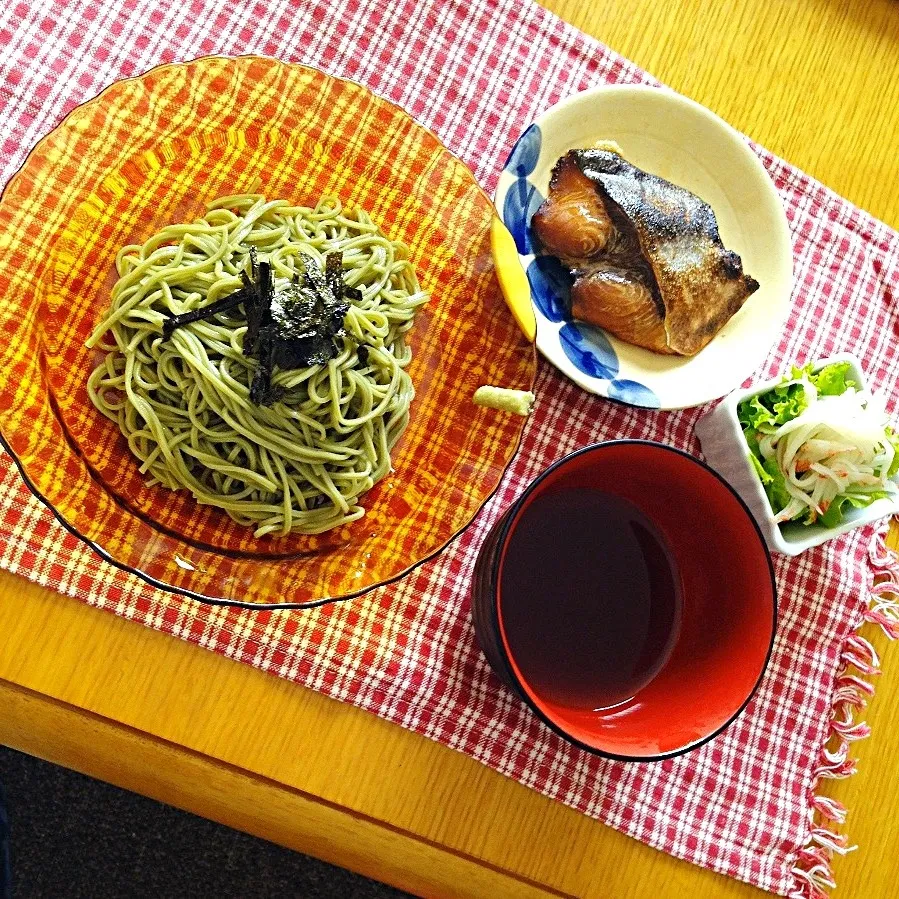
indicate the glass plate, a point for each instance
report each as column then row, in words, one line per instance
column 154, row 150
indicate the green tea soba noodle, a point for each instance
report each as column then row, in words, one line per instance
column 301, row 461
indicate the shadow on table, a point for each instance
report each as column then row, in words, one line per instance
column 72, row 836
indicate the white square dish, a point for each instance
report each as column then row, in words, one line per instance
column 725, row 449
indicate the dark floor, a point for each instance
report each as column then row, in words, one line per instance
column 72, row 837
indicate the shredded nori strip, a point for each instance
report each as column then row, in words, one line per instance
column 334, row 274
column 260, row 287
column 293, row 328
column 225, row 304
column 307, row 315
column 262, row 391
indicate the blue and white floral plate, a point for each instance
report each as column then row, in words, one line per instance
column 671, row 136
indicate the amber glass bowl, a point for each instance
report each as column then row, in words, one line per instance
column 154, row 150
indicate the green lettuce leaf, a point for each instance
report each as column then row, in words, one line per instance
column 787, row 402
column 775, row 486
column 837, row 509
column 768, row 411
column 894, row 439
column 753, row 414
column 764, row 477
column 832, row 380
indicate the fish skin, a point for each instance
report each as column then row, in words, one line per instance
column 663, row 238
column 701, row 283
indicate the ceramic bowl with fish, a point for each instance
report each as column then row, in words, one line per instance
column 687, row 285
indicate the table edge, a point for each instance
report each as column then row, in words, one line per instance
column 60, row 733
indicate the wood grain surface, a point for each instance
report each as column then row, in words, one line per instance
column 816, row 81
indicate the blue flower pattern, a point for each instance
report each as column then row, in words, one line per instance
column 585, row 346
column 589, row 349
column 633, row 394
column 550, row 287
column 525, row 154
column 523, row 199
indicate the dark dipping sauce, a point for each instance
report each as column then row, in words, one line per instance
column 589, row 598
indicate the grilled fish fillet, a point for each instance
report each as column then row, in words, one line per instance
column 621, row 304
column 648, row 262
column 572, row 223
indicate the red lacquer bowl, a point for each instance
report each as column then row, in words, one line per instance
column 728, row 601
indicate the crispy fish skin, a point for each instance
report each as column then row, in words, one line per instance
column 700, row 282
column 664, row 242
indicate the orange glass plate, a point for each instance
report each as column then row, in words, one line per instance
column 154, row 150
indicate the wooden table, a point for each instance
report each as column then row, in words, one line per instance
column 817, row 82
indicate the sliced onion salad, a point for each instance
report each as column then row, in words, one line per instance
column 820, row 444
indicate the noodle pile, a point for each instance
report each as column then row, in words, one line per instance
column 301, row 464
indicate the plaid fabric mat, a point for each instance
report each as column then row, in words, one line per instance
column 477, row 74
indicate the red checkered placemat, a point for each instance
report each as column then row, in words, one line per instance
column 476, row 74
